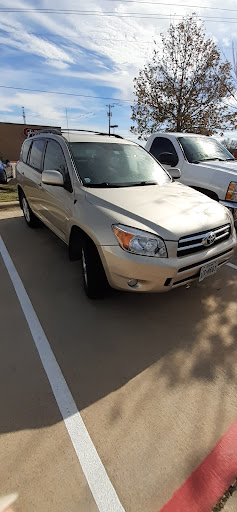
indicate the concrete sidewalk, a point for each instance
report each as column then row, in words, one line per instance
column 4, row 205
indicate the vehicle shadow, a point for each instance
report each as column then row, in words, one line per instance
column 127, row 354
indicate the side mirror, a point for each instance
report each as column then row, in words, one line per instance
column 52, row 178
column 168, row 159
column 175, row 173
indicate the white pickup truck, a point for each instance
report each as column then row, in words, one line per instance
column 205, row 164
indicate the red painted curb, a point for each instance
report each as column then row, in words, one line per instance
column 210, row 480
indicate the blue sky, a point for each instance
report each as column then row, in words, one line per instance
column 89, row 55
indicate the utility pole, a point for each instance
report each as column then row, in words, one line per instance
column 23, row 115
column 109, row 114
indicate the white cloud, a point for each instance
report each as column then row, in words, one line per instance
column 226, row 41
column 59, row 64
column 26, row 42
column 123, row 46
column 94, row 50
column 48, row 109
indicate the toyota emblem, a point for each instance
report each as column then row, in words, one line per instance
column 209, row 239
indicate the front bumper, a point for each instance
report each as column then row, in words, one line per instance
column 160, row 274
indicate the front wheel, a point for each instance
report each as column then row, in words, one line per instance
column 29, row 216
column 94, row 277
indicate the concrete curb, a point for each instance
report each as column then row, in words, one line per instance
column 4, row 205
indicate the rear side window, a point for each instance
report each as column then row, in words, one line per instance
column 25, row 150
column 36, row 154
column 54, row 158
column 162, row 145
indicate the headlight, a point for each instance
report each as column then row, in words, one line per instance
column 139, row 242
column 231, row 194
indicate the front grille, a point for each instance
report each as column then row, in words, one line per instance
column 198, row 241
column 195, row 275
column 207, row 260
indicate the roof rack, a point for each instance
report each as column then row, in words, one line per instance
column 90, row 131
column 45, row 130
column 65, row 130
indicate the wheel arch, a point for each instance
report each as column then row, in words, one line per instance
column 77, row 234
column 20, row 194
column 208, row 193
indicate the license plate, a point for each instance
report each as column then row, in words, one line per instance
column 208, row 270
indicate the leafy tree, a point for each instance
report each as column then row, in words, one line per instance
column 186, row 87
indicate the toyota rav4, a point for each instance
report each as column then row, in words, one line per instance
column 132, row 225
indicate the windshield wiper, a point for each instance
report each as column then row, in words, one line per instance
column 144, row 183
column 212, row 159
column 105, row 184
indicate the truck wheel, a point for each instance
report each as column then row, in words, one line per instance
column 29, row 216
column 94, row 277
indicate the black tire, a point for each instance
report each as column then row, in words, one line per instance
column 29, row 216
column 94, row 278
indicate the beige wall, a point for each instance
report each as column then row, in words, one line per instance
column 11, row 137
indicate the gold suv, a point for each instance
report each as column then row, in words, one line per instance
column 132, row 224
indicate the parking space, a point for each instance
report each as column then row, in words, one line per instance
column 153, row 376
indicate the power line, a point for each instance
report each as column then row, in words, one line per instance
column 102, row 13
column 150, row 16
column 135, row 15
column 64, row 93
column 68, row 94
column 175, row 5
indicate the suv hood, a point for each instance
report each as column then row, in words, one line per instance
column 171, row 211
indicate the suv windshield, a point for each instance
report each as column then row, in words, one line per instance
column 200, row 149
column 104, row 164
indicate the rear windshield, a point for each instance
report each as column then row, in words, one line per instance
column 109, row 164
column 200, row 149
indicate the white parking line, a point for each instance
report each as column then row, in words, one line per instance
column 232, row 265
column 102, row 489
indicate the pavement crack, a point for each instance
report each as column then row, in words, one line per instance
column 224, row 498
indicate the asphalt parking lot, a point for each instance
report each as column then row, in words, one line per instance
column 153, row 377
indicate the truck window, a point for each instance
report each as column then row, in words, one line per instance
column 163, row 145
column 201, row 149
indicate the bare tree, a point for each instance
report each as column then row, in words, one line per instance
column 186, row 87
column 230, row 144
